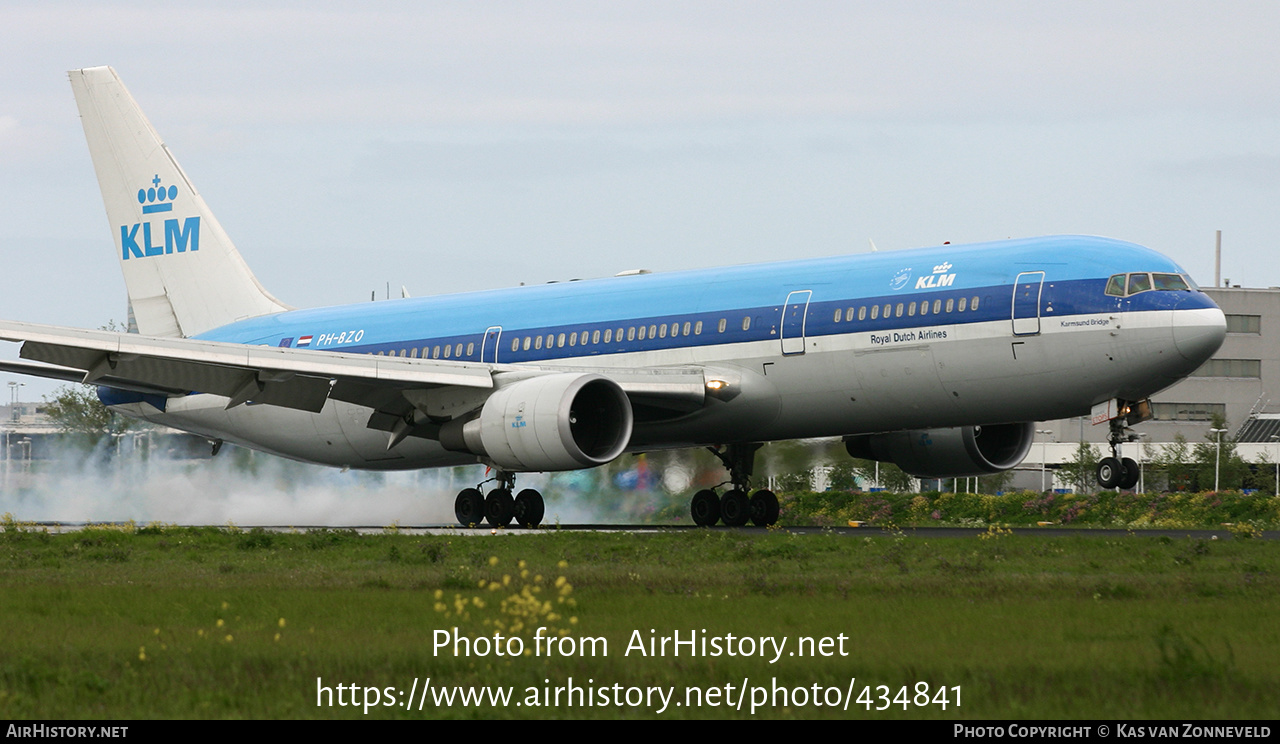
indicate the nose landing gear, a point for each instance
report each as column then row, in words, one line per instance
column 1116, row 471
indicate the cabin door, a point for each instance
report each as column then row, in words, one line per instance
column 489, row 345
column 793, row 317
column 1026, row 303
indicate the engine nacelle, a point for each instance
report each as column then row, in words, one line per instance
column 948, row 453
column 551, row 422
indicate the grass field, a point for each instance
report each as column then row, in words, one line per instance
column 219, row 623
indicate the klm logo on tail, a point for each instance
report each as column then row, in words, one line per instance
column 177, row 237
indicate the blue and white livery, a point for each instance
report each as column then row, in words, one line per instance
column 938, row 359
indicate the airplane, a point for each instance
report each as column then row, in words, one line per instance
column 937, row 359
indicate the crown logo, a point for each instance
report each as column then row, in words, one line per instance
column 941, row 268
column 157, row 198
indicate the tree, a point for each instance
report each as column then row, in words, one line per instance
column 77, row 411
column 1218, row 454
column 1082, row 469
column 1176, row 458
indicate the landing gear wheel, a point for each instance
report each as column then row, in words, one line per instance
column 1131, row 473
column 764, row 508
column 498, row 507
column 529, row 508
column 735, row 508
column 705, row 508
column 468, row 508
column 1110, row 472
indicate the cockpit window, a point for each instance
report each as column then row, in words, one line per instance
column 1144, row 282
column 1168, row 281
column 1139, row 283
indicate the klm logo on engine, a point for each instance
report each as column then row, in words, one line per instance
column 142, row 239
column 939, row 278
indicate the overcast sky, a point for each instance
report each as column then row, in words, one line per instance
column 457, row 146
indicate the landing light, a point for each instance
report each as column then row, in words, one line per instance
column 714, row 385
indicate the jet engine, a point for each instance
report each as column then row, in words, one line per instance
column 551, row 422
column 947, row 453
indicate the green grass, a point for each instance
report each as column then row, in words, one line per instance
column 107, row 623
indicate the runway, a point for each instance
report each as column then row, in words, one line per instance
column 923, row 533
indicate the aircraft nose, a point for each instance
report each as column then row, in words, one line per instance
column 1198, row 333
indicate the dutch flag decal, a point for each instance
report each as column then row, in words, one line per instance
column 304, row 341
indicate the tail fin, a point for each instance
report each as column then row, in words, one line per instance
column 183, row 274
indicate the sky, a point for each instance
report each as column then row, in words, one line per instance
column 451, row 146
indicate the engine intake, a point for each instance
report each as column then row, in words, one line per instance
column 552, row 422
column 948, row 453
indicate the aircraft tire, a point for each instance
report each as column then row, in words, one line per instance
column 1131, row 473
column 1110, row 472
column 499, row 508
column 468, row 508
column 764, row 508
column 705, row 508
column 735, row 508
column 529, row 508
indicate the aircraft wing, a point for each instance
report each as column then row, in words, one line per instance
column 304, row 379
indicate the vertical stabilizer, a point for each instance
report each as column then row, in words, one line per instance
column 183, row 274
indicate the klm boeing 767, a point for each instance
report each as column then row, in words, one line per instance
column 937, row 359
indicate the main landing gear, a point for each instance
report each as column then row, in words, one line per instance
column 499, row 508
column 735, row 508
column 1116, row 471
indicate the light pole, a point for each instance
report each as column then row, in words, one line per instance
column 1217, row 460
column 1142, row 488
column 1044, row 446
column 1275, row 439
column 13, row 399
